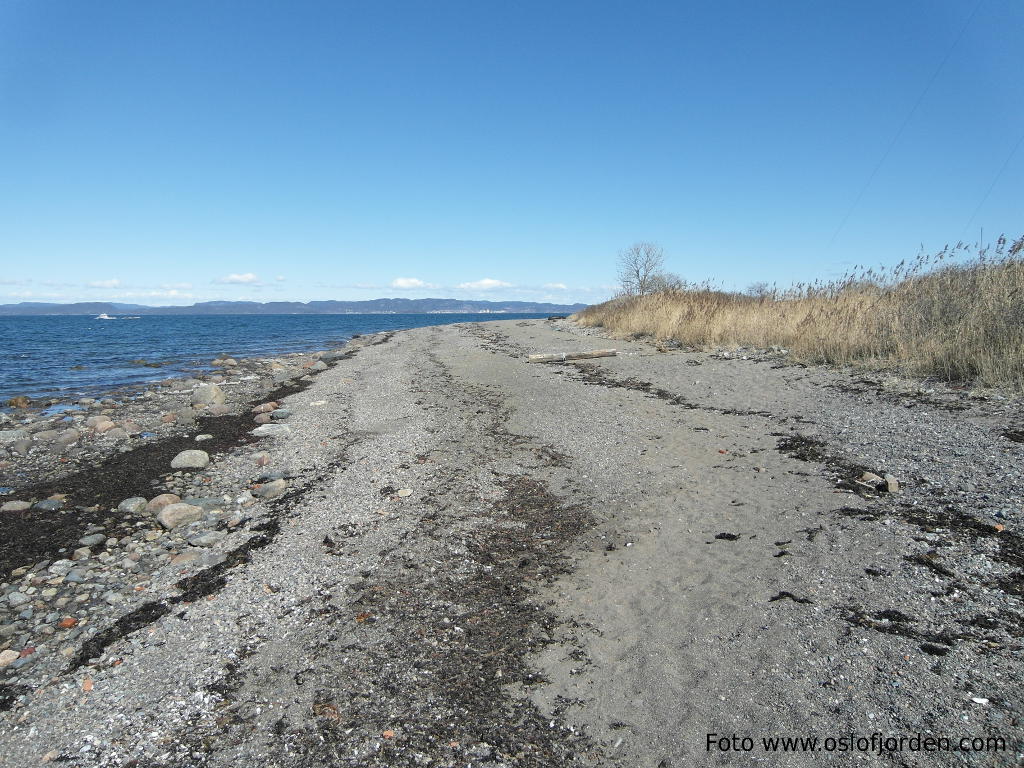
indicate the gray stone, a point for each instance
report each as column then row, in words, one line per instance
column 270, row 430
column 286, row 375
column 22, row 447
column 207, row 539
column 219, row 410
column 18, row 598
column 191, row 459
column 208, row 394
column 8, row 436
column 132, row 506
column 203, row 438
column 206, row 503
column 117, row 433
column 15, row 506
column 48, row 505
column 93, row 540
column 77, row 575
column 318, row 366
column 68, row 437
column 174, row 515
column 281, row 414
column 892, row 485
column 82, row 553
column 332, row 355
column 60, row 567
column 271, row 490
column 46, row 435
column 185, row 415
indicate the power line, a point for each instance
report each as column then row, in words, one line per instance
column 903, row 126
column 992, row 186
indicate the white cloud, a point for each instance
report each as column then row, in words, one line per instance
column 112, row 283
column 556, row 286
column 176, row 286
column 280, row 278
column 410, row 283
column 246, row 278
column 487, row 284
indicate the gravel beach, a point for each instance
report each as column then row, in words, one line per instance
column 422, row 550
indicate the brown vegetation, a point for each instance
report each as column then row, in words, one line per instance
column 957, row 315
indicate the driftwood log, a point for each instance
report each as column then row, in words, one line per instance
column 561, row 357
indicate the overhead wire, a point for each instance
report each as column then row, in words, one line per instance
column 903, row 125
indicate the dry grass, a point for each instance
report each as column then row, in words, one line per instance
column 957, row 315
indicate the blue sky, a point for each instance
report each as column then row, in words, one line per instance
column 170, row 152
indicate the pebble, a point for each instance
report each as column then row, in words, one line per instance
column 92, row 540
column 82, row 553
column 281, row 414
column 201, row 438
column 18, row 598
column 15, row 506
column 404, row 492
column 191, row 459
column 48, row 505
column 8, row 657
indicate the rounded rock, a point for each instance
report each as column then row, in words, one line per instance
column 271, row 490
column 191, row 459
column 159, row 502
column 174, row 515
column 132, row 506
column 208, row 394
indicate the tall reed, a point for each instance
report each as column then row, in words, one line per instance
column 957, row 315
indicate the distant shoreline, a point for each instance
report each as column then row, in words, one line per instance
column 384, row 306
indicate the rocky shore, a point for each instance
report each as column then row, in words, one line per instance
column 422, row 550
column 75, row 552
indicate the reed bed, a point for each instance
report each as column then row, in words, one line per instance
column 957, row 315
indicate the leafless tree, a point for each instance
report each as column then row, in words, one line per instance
column 760, row 290
column 638, row 266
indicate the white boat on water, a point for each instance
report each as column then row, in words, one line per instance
column 105, row 316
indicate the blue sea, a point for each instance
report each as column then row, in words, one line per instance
column 76, row 356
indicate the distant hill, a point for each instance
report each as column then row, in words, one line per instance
column 370, row 307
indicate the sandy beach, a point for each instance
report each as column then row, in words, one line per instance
column 432, row 552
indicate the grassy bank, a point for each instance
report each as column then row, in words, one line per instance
column 957, row 315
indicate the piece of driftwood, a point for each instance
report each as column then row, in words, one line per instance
column 561, row 357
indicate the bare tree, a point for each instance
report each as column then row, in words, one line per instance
column 638, row 266
column 760, row 290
